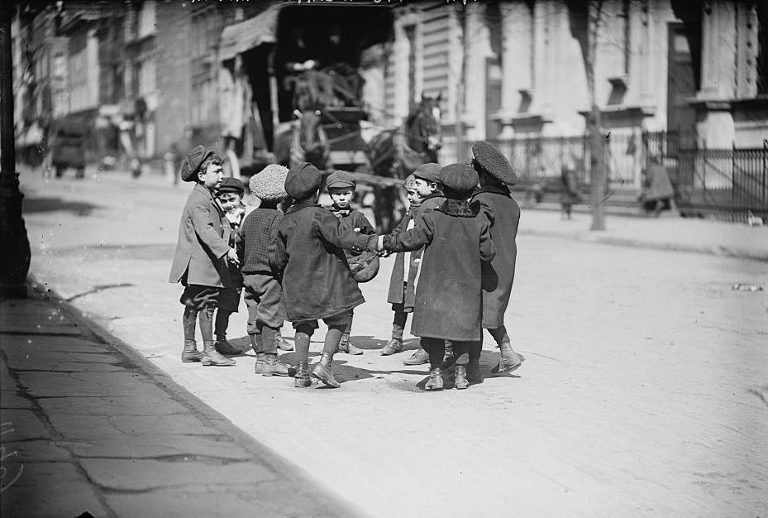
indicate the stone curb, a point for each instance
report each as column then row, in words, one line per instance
column 264, row 455
column 722, row 251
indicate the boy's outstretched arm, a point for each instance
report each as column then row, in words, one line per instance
column 414, row 239
column 328, row 228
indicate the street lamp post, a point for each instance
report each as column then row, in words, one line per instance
column 14, row 245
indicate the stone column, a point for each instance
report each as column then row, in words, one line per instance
column 478, row 49
column 714, row 121
column 516, row 62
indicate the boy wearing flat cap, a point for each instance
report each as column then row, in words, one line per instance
column 317, row 282
column 448, row 295
column 429, row 187
column 263, row 292
column 341, row 188
column 202, row 254
column 230, row 198
column 503, row 214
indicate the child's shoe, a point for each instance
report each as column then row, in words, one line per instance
column 510, row 360
column 420, row 357
column 461, row 377
column 346, row 346
column 190, row 353
column 212, row 357
column 395, row 345
column 301, row 378
column 274, row 367
column 323, row 371
column 261, row 359
column 282, row 344
column 435, row 381
column 224, row 347
column 473, row 372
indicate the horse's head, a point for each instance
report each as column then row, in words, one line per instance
column 423, row 125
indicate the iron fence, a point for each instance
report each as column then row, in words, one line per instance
column 727, row 183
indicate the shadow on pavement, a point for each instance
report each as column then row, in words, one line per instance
column 35, row 205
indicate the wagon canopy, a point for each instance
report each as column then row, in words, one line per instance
column 249, row 34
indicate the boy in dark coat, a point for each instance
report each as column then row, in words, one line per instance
column 317, row 282
column 428, row 184
column 402, row 283
column 449, row 293
column 341, row 187
column 202, row 253
column 503, row 214
column 230, row 198
column 263, row 292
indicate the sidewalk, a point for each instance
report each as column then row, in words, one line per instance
column 88, row 428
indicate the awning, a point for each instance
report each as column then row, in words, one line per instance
column 243, row 36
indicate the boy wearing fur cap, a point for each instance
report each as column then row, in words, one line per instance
column 503, row 214
column 341, row 188
column 230, row 198
column 430, row 189
column 202, row 254
column 449, row 295
column 402, row 283
column 263, row 292
column 317, row 282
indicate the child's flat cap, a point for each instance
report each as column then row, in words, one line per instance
column 490, row 159
column 269, row 183
column 429, row 172
column 230, row 184
column 302, row 181
column 341, row 179
column 193, row 161
column 459, row 178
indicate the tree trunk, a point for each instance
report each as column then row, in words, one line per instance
column 597, row 173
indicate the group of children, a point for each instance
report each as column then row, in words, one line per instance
column 297, row 261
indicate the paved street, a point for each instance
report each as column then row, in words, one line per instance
column 645, row 391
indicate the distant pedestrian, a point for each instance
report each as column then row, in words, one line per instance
column 202, row 255
column 570, row 194
column 502, row 212
column 658, row 191
column 230, row 198
column 341, row 188
column 263, row 292
column 317, row 282
column 402, row 283
column 430, row 188
column 449, row 295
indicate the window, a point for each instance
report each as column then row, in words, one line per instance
column 147, row 18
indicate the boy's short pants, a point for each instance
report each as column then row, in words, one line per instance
column 342, row 319
column 199, row 297
column 229, row 299
column 263, row 300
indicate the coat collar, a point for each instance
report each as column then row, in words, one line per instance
column 433, row 195
column 457, row 208
column 494, row 189
column 302, row 204
column 205, row 191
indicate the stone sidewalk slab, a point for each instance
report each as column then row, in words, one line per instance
column 89, row 428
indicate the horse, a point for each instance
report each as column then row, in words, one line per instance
column 396, row 153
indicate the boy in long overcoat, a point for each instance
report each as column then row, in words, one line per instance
column 202, row 253
column 449, row 294
column 341, row 188
column 503, row 213
column 402, row 282
column 430, row 188
column 317, row 282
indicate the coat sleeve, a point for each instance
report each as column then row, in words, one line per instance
column 487, row 248
column 414, row 239
column 203, row 225
column 240, row 243
column 275, row 253
column 328, row 228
